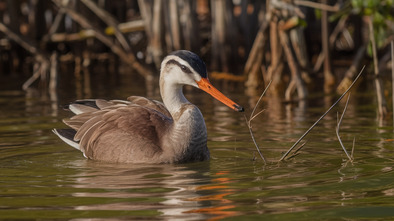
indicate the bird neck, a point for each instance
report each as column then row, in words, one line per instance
column 173, row 97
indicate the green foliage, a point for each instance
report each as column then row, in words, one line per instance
column 299, row 22
column 380, row 12
column 318, row 13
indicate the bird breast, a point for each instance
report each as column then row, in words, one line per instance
column 188, row 135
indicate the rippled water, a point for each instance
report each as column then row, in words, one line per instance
column 43, row 178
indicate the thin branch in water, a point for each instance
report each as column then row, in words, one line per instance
column 295, row 153
column 252, row 116
column 329, row 109
column 339, row 125
column 392, row 74
column 261, row 96
column 354, row 142
column 254, row 140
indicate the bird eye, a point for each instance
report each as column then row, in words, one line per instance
column 185, row 69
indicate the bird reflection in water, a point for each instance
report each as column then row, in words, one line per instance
column 186, row 192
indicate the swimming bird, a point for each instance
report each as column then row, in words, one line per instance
column 140, row 130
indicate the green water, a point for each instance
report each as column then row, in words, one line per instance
column 43, row 178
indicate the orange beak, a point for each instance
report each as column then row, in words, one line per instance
column 204, row 85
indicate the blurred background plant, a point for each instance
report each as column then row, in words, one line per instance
column 301, row 45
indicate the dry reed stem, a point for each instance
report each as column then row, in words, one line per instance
column 316, row 5
column 382, row 106
column 85, row 23
column 392, row 74
column 314, row 124
column 254, row 140
column 339, row 125
column 295, row 153
column 354, row 142
column 261, row 96
column 252, row 116
column 110, row 21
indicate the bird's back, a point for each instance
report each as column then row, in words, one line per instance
column 118, row 131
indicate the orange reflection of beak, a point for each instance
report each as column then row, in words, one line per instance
column 204, row 85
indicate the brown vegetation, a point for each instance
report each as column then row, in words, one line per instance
column 294, row 43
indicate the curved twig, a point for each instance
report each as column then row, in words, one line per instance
column 314, row 124
column 252, row 116
column 254, row 140
column 258, row 101
column 337, row 130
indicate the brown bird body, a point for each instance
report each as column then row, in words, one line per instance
column 140, row 130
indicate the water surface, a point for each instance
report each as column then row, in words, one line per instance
column 43, row 178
